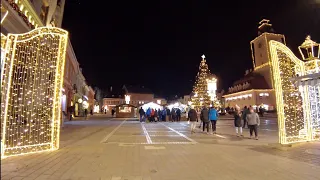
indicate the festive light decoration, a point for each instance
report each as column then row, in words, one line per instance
column 261, row 66
column 31, row 85
column 159, row 101
column 212, row 88
column 96, row 109
column 127, row 98
column 292, row 102
column 312, row 82
column 201, row 96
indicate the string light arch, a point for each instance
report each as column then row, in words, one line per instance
column 293, row 102
column 32, row 79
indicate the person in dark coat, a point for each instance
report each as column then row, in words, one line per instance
column 168, row 114
column 155, row 115
column 159, row 115
column 193, row 118
column 164, row 114
column 173, row 115
column 237, row 122
column 244, row 116
column 112, row 112
column 205, row 118
column 85, row 113
column 178, row 112
column 142, row 114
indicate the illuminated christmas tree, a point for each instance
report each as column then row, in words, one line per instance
column 200, row 94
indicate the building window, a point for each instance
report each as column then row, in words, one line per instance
column 125, row 109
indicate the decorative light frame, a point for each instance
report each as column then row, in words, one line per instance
column 212, row 88
column 292, row 129
column 31, row 86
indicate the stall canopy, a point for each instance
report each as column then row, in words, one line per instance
column 177, row 105
column 151, row 105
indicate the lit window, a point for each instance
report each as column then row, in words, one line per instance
column 125, row 109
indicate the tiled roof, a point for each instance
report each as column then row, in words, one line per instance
column 255, row 81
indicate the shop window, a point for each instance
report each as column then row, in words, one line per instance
column 125, row 109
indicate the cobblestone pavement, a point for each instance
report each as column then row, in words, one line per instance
column 128, row 150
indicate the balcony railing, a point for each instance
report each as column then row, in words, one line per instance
column 25, row 9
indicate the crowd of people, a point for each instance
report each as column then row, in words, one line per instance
column 259, row 110
column 208, row 117
column 154, row 115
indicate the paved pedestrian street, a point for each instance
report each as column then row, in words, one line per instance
column 124, row 149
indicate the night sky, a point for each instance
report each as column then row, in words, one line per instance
column 159, row 44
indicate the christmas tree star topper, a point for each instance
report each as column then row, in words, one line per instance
column 203, row 56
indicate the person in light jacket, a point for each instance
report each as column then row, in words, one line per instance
column 253, row 121
column 213, row 116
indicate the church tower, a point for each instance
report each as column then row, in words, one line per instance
column 260, row 49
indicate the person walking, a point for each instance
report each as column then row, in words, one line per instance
column 142, row 113
column 173, row 114
column 112, row 112
column 178, row 112
column 148, row 113
column 168, row 114
column 199, row 117
column 85, row 113
column 156, row 115
column 159, row 115
column 164, row 115
column 193, row 118
column 244, row 116
column 152, row 115
column 213, row 116
column 253, row 122
column 237, row 122
column 205, row 118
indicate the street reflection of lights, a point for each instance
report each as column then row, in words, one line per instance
column 164, row 135
column 150, row 143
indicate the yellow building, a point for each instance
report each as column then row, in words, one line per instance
column 255, row 88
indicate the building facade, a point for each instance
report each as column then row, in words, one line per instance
column 25, row 15
column 256, row 87
column 135, row 96
column 21, row 16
